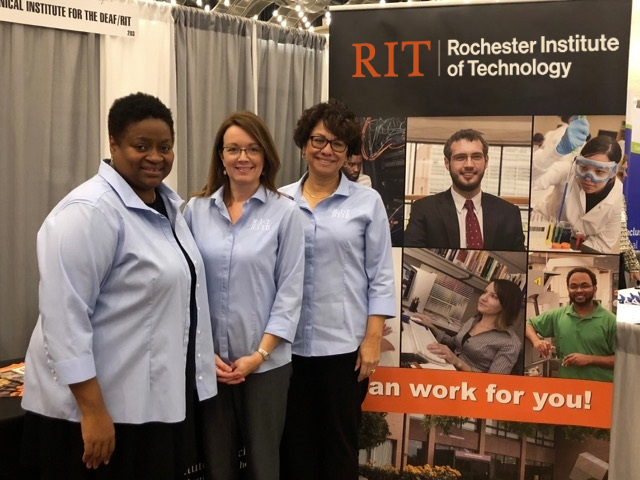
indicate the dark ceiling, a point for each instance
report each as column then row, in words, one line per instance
column 297, row 14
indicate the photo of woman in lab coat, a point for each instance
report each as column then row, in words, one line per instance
column 587, row 196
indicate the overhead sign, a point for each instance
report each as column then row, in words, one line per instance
column 507, row 59
column 103, row 17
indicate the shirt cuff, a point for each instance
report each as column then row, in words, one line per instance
column 75, row 370
column 283, row 328
column 382, row 306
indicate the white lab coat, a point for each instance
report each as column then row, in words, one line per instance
column 601, row 225
column 545, row 156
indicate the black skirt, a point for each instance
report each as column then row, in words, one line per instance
column 53, row 449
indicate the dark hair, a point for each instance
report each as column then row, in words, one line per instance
column 592, row 275
column 337, row 118
column 603, row 144
column 256, row 128
column 134, row 108
column 565, row 118
column 510, row 298
column 622, row 167
column 538, row 138
column 466, row 134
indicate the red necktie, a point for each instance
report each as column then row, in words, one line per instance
column 474, row 235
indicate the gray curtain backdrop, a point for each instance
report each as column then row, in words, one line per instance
column 289, row 80
column 213, row 78
column 227, row 63
column 50, row 123
column 49, row 133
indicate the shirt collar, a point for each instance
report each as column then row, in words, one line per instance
column 344, row 187
column 459, row 200
column 260, row 195
column 297, row 192
column 597, row 312
column 129, row 197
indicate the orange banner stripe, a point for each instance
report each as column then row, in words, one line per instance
column 497, row 397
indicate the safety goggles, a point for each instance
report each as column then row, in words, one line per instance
column 595, row 171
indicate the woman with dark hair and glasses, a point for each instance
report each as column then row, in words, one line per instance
column 348, row 293
column 252, row 244
column 486, row 342
column 122, row 350
column 587, row 195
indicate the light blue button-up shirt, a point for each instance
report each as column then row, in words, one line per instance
column 114, row 304
column 255, row 270
column 348, row 269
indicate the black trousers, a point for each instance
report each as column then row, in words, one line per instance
column 320, row 440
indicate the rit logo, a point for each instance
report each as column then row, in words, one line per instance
column 261, row 224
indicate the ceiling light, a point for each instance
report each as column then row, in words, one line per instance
column 199, row 3
column 275, row 12
column 255, row 17
column 279, row 18
column 300, row 14
column 305, row 19
column 283, row 23
column 298, row 8
column 307, row 24
column 207, row 8
column 311, row 29
column 226, row 3
column 327, row 15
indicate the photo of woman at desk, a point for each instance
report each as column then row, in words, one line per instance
column 462, row 310
column 486, row 342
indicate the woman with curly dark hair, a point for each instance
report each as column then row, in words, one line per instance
column 348, row 293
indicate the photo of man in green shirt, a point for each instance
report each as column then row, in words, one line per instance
column 583, row 332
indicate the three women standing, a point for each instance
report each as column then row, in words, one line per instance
column 348, row 293
column 124, row 331
column 251, row 239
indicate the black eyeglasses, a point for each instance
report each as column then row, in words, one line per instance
column 319, row 142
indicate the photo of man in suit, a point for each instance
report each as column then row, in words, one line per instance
column 464, row 216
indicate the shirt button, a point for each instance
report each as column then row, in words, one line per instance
column 200, row 378
column 199, row 355
column 198, row 332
